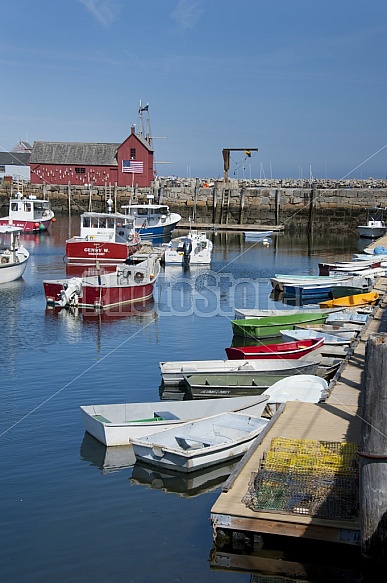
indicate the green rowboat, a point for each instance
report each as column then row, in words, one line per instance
column 270, row 326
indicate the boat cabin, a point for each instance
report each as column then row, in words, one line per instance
column 115, row 227
column 9, row 243
column 147, row 214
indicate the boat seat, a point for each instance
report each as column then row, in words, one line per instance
column 192, row 442
column 167, row 415
column 101, row 418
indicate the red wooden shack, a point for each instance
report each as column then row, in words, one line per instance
column 98, row 164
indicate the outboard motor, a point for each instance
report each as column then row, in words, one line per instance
column 187, row 248
column 70, row 293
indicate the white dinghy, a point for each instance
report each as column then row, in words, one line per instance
column 115, row 424
column 202, row 443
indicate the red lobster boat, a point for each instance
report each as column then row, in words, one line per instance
column 109, row 238
column 103, row 290
column 288, row 350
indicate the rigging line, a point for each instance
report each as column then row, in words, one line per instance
column 361, row 164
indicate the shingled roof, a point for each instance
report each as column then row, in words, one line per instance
column 14, row 159
column 74, row 153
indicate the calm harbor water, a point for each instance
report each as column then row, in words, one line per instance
column 70, row 509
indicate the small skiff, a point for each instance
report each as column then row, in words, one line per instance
column 356, row 300
column 115, row 424
column 304, row 335
column 270, row 326
column 222, row 386
column 345, row 317
column 345, row 331
column 288, row 349
column 173, row 372
column 199, row 444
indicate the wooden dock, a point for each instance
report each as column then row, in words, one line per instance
column 230, row 227
column 338, row 419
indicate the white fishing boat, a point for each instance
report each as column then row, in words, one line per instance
column 374, row 226
column 100, row 290
column 115, row 424
column 109, row 238
column 173, row 372
column 31, row 214
column 191, row 249
column 152, row 220
column 199, row 444
column 308, row 334
column 13, row 255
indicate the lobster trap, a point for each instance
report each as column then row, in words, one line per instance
column 314, row 478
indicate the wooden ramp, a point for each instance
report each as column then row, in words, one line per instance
column 337, row 420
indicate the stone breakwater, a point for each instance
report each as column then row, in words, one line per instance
column 237, row 204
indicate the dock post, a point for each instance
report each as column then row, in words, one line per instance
column 373, row 452
column 161, row 191
column 311, row 208
column 276, row 206
column 115, row 197
column 214, row 202
column 221, row 206
column 242, row 207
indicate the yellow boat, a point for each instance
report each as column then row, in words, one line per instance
column 368, row 298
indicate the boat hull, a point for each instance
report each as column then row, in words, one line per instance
column 371, row 232
column 80, row 251
column 12, row 271
column 99, row 297
column 173, row 372
column 229, row 385
column 369, row 298
column 289, row 350
column 156, row 231
column 298, row 291
column 27, row 226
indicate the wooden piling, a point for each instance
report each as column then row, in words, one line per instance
column 243, row 194
column 214, row 203
column 312, row 199
column 276, row 206
column 373, row 451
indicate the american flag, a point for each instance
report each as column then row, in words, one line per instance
column 132, row 166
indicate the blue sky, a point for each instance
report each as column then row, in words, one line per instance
column 303, row 81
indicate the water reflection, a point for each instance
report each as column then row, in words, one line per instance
column 283, row 559
column 184, row 485
column 106, row 459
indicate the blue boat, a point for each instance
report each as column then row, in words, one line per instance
column 152, row 220
column 308, row 292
